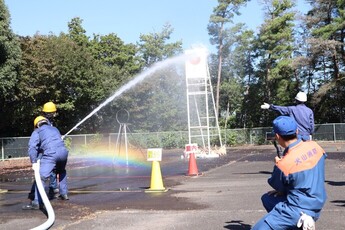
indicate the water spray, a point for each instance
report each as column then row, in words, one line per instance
column 129, row 85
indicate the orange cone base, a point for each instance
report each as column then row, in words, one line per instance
column 193, row 174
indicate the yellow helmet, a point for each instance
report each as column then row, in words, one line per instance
column 38, row 120
column 49, row 107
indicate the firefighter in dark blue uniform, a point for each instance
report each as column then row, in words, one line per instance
column 47, row 139
column 302, row 114
column 49, row 111
column 298, row 180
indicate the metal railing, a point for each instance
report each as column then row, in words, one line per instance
column 15, row 147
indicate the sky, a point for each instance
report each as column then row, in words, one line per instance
column 126, row 18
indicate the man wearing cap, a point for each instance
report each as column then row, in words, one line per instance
column 49, row 112
column 47, row 139
column 297, row 179
column 302, row 114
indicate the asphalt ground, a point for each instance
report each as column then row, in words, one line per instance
column 225, row 196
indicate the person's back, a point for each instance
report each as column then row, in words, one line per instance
column 49, row 111
column 302, row 114
column 297, row 179
column 50, row 138
column 303, row 166
column 47, row 139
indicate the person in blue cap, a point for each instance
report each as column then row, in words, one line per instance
column 47, row 139
column 302, row 114
column 298, row 180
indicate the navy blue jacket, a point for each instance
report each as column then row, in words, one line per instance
column 303, row 116
column 44, row 139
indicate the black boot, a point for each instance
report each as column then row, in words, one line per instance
column 53, row 193
column 63, row 197
column 31, row 195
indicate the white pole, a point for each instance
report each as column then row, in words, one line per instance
column 188, row 113
column 125, row 127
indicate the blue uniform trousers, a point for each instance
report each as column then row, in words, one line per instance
column 56, row 160
column 279, row 216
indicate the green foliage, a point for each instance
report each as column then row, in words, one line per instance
column 68, row 70
column 274, row 49
column 55, row 68
column 76, row 32
column 78, row 72
column 155, row 102
column 153, row 47
column 222, row 15
column 153, row 141
column 230, row 138
column 173, row 140
column 10, row 55
column 115, row 55
column 68, row 143
column 165, row 140
column 95, row 140
column 221, row 36
column 325, row 24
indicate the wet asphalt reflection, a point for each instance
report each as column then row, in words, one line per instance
column 107, row 185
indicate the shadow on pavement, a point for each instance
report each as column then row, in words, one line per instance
column 236, row 225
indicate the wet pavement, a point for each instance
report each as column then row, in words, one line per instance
column 108, row 195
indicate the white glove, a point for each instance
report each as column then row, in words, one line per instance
column 265, row 106
column 306, row 221
column 35, row 166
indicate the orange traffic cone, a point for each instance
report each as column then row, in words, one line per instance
column 193, row 168
column 156, row 179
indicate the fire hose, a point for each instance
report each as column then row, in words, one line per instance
column 46, row 202
column 277, row 148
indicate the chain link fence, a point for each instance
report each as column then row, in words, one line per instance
column 16, row 147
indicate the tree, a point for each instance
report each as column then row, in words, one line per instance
column 325, row 22
column 237, row 71
column 77, row 33
column 153, row 47
column 116, row 56
column 275, row 46
column 10, row 55
column 55, row 68
column 154, row 103
column 118, row 63
column 241, row 59
column 222, row 15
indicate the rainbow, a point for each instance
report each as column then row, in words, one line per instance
column 104, row 155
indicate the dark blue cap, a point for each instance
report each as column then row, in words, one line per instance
column 284, row 125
